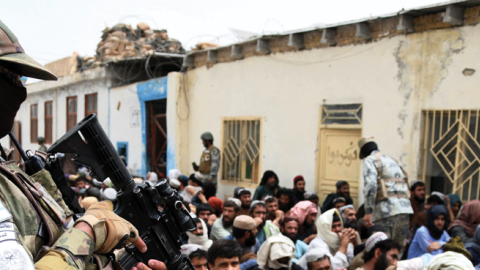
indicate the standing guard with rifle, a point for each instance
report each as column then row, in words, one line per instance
column 386, row 192
column 36, row 232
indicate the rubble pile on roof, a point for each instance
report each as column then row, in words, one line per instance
column 123, row 42
column 204, row 46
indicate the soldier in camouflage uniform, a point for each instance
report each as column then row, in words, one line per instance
column 34, row 228
column 389, row 205
column 210, row 159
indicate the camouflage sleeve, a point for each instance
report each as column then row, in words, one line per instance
column 370, row 182
column 215, row 162
column 71, row 251
column 45, row 179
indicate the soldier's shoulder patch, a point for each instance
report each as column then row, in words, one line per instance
column 215, row 151
column 207, row 151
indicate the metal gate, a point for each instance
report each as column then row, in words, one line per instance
column 450, row 152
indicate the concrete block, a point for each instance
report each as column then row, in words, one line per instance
column 296, row 41
column 454, row 15
column 212, row 56
column 262, row 46
column 237, row 52
column 328, row 36
column 189, row 61
column 363, row 31
column 405, row 23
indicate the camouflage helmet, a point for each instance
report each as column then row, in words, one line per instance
column 41, row 139
column 13, row 57
column 207, row 136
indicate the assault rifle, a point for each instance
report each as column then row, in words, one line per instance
column 137, row 203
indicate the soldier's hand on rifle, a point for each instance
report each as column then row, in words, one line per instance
column 107, row 229
column 152, row 265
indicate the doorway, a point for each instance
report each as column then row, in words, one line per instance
column 156, row 123
column 337, row 156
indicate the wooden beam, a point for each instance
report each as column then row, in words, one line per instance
column 363, row 31
column 212, row 56
column 328, row 36
column 405, row 24
column 454, row 15
column 296, row 41
column 189, row 61
column 263, row 46
column 237, row 52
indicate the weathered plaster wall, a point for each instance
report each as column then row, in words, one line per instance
column 125, row 124
column 395, row 78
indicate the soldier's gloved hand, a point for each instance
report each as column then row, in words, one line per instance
column 109, row 229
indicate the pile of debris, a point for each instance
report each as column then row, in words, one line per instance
column 123, row 42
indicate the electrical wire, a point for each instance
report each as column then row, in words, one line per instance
column 184, row 89
column 334, row 58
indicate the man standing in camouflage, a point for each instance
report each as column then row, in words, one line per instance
column 386, row 192
column 33, row 216
column 210, row 159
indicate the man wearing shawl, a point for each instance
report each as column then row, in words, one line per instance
column 276, row 253
column 450, row 260
column 306, row 213
column 333, row 239
column 289, row 228
column 200, row 235
column 467, row 222
column 268, row 186
column 432, row 237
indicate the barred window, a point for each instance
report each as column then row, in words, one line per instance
column 33, row 123
column 241, row 149
column 450, row 152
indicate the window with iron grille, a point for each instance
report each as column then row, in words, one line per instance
column 48, row 122
column 71, row 112
column 450, row 152
column 33, row 123
column 90, row 104
column 344, row 114
column 241, row 149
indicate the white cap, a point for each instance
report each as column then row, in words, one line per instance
column 314, row 254
column 374, row 239
column 236, row 201
column 174, row 183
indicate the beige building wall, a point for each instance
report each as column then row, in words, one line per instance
column 395, row 79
